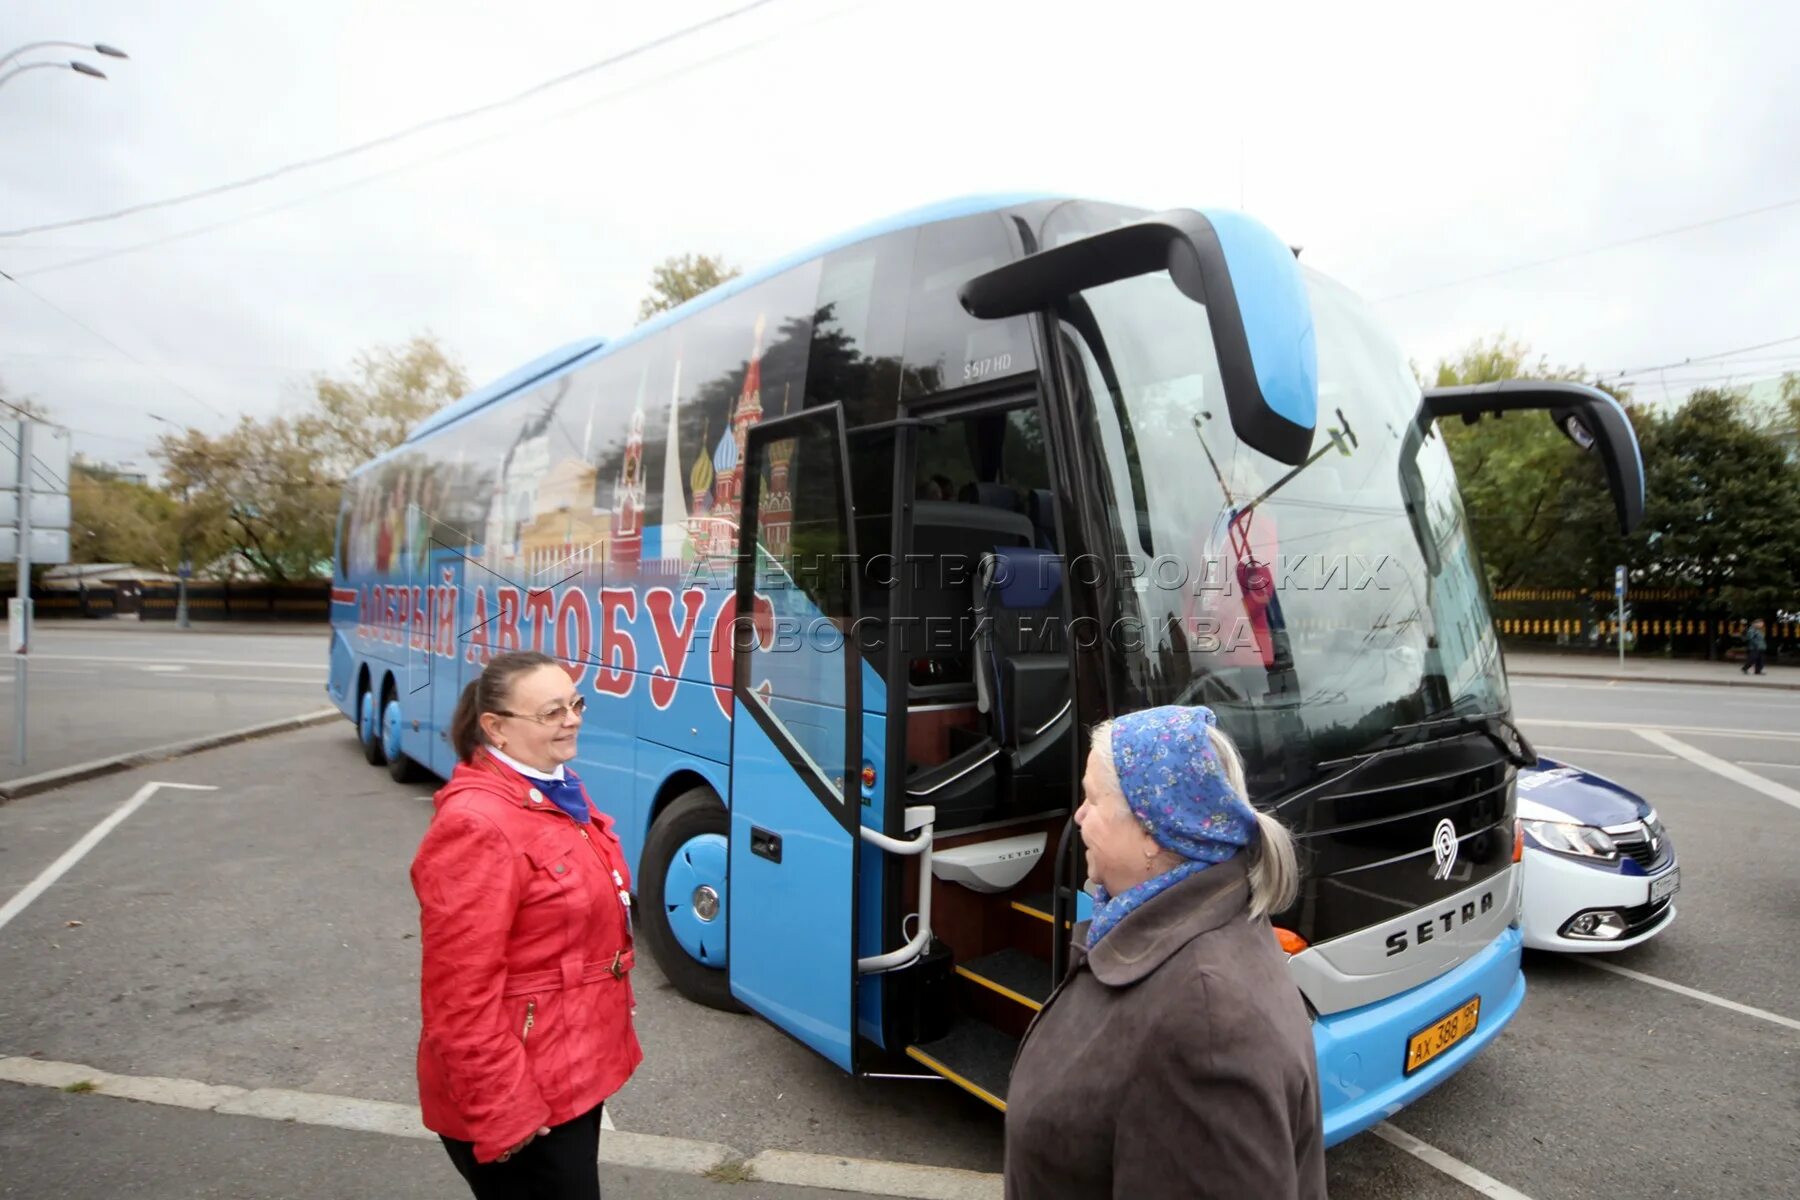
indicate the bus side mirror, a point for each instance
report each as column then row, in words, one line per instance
column 1249, row 282
column 1586, row 416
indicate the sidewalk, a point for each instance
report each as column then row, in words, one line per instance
column 1544, row 664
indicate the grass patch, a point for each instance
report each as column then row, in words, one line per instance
column 81, row 1086
column 733, row 1170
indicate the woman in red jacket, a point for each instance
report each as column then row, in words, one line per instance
column 525, row 925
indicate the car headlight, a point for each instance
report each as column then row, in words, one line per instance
column 1583, row 841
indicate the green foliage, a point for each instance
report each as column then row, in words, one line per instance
column 389, row 390
column 121, row 520
column 267, row 491
column 1723, row 502
column 676, row 280
column 1538, row 505
column 1722, row 495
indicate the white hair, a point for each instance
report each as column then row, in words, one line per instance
column 1274, row 871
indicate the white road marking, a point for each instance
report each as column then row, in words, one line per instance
column 641, row 1151
column 37, row 668
column 78, row 851
column 1782, row 766
column 1455, row 1168
column 1761, row 1014
column 606, row 1120
column 242, row 678
column 1598, row 750
column 1718, row 766
column 1723, row 698
column 140, row 660
column 1635, row 726
column 798, row 1169
column 162, row 667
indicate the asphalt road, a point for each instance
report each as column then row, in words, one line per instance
column 104, row 688
column 260, row 935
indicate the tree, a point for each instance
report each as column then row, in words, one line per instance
column 1723, row 501
column 267, row 492
column 121, row 520
column 1539, row 506
column 675, row 281
column 390, row 389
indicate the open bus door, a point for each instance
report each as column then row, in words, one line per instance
column 796, row 735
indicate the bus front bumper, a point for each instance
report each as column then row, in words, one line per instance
column 1362, row 1051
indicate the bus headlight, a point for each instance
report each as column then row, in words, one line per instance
column 1583, row 841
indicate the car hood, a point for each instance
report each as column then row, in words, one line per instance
column 1555, row 791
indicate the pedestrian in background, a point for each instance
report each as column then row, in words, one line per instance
column 1756, row 645
column 525, row 928
column 1175, row 1059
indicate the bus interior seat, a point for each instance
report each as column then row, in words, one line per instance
column 1040, row 506
column 1022, row 664
column 991, row 495
column 952, row 538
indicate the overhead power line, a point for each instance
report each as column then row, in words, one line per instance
column 1600, row 249
column 117, row 349
column 1697, row 358
column 397, row 135
column 427, row 160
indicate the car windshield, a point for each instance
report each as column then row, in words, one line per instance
column 1315, row 609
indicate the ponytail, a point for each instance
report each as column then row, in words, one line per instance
column 487, row 693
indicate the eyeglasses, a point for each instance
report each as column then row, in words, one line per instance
column 555, row 716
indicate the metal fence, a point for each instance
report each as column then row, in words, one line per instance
column 84, row 602
column 241, row 602
column 1668, row 621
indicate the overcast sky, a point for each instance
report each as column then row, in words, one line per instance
column 1404, row 148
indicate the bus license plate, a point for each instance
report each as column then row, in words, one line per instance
column 1668, row 885
column 1442, row 1034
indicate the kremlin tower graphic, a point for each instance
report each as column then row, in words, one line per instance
column 718, row 482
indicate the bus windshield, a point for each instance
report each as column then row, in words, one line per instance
column 1315, row 609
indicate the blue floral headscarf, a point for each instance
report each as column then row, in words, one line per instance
column 1176, row 787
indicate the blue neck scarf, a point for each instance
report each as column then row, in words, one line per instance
column 562, row 789
column 1176, row 787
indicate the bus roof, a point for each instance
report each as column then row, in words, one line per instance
column 567, row 358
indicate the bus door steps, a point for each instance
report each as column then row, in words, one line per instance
column 1037, row 906
column 1013, row 974
column 975, row 1056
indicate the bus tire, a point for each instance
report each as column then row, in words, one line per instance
column 401, row 769
column 684, row 853
column 368, row 730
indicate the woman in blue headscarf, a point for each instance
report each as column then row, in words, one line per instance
column 1175, row 1058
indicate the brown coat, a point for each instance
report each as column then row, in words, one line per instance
column 1175, row 1060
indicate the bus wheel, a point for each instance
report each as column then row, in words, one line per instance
column 682, row 897
column 400, row 767
column 366, row 731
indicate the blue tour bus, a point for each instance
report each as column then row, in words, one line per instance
column 1013, row 465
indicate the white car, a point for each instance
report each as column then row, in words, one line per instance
column 1599, row 868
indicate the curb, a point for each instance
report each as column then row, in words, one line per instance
column 63, row 776
column 1530, row 674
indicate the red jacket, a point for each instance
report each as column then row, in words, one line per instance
column 527, row 944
